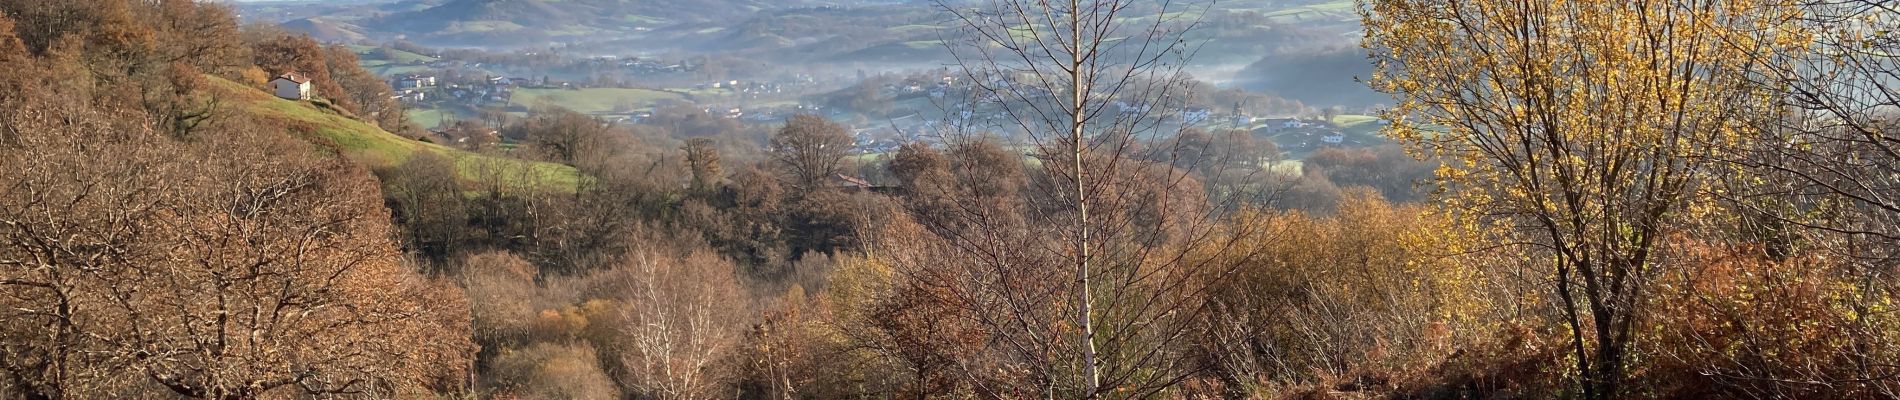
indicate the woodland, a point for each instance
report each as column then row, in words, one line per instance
column 1588, row 199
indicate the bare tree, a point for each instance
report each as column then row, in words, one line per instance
column 129, row 263
column 1823, row 177
column 684, row 314
column 1838, row 146
column 426, row 197
column 702, row 159
column 810, row 148
column 565, row 136
column 1079, row 275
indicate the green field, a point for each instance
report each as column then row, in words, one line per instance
column 1355, row 121
column 914, row 28
column 387, row 69
column 387, row 55
column 384, row 61
column 430, row 118
column 595, row 100
column 375, row 148
column 706, row 92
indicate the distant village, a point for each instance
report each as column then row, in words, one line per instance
column 969, row 106
column 924, row 106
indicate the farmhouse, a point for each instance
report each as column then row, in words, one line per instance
column 291, row 86
column 415, row 82
column 411, row 96
column 1279, row 124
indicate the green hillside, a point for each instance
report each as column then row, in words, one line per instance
column 377, row 148
column 384, row 61
column 388, row 55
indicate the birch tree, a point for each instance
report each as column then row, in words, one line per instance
column 684, row 312
column 1079, row 277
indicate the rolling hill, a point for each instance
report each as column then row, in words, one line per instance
column 506, row 22
column 326, row 30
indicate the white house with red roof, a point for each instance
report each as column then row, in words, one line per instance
column 291, row 86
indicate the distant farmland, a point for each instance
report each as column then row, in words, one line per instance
column 595, row 100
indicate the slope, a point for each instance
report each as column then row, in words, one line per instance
column 376, row 148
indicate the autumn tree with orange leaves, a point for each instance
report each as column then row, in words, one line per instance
column 243, row 263
column 1581, row 130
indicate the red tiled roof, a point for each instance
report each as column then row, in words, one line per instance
column 294, row 77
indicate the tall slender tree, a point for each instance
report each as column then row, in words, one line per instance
column 1080, row 275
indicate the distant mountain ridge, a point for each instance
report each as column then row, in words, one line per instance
column 533, row 23
column 797, row 31
column 505, row 22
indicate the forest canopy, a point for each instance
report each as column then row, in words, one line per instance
column 1588, row 199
